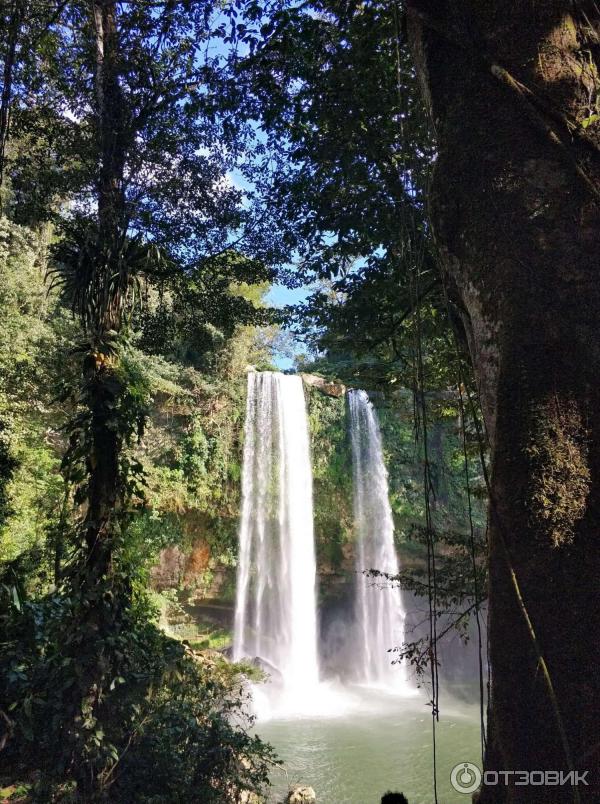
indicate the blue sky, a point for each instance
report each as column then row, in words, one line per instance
column 279, row 296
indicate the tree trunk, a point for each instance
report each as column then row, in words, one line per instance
column 13, row 21
column 516, row 218
column 110, row 110
column 104, row 386
column 102, row 598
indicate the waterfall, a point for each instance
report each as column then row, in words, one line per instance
column 275, row 615
column 379, row 611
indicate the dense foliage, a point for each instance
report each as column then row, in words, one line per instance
column 189, row 464
column 163, row 730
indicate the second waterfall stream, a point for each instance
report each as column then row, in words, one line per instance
column 379, row 612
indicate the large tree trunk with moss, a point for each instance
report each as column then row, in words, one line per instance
column 515, row 209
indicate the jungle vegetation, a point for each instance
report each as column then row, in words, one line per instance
column 430, row 172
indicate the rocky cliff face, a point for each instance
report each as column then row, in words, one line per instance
column 335, row 389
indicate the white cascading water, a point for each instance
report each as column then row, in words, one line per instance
column 379, row 610
column 276, row 613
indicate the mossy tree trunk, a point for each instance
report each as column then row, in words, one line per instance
column 516, row 216
column 103, row 598
column 100, row 376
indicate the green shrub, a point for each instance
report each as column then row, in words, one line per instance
column 167, row 725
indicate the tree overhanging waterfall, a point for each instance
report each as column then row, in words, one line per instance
column 275, row 616
column 379, row 611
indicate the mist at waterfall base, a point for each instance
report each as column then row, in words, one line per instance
column 343, row 718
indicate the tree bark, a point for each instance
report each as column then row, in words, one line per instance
column 102, row 598
column 110, row 110
column 516, row 218
column 14, row 20
column 100, row 377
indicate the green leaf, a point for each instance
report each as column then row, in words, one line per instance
column 588, row 121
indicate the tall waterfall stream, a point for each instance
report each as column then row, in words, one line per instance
column 352, row 739
column 380, row 614
column 276, row 608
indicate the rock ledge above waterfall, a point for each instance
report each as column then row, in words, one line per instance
column 326, row 387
